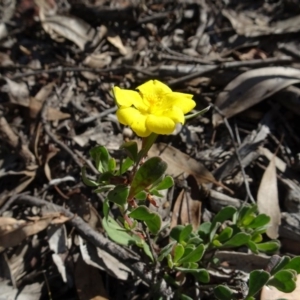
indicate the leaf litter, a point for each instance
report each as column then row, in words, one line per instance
column 58, row 63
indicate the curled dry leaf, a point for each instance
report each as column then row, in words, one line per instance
column 69, row 27
column 98, row 60
column 267, row 199
column 252, row 87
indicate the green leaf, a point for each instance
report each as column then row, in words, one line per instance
column 224, row 214
column 256, row 237
column 125, row 165
column 100, row 156
column 111, row 164
column 86, row 180
column 165, row 251
column 238, row 240
column 252, row 246
column 284, row 281
column 193, row 256
column 200, row 274
column 116, row 232
column 178, row 252
column 260, row 221
column 175, row 232
column 147, row 174
column 223, row 292
column 294, row 264
column 131, row 149
column 184, row 297
column 166, row 183
column 119, row 195
column 104, row 188
column 152, row 220
column 198, row 113
column 225, row 234
column 257, row 280
column 185, row 233
column 204, row 230
column 269, row 247
column 141, row 195
column 281, row 264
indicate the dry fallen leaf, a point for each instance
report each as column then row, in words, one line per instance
column 74, row 29
column 116, row 41
column 18, row 92
column 187, row 208
column 180, row 163
column 252, row 87
column 267, row 199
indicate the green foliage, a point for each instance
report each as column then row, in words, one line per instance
column 188, row 251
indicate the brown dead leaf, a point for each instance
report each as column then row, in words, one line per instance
column 267, row 199
column 252, row 87
column 11, row 238
column 98, row 60
column 187, row 208
column 18, row 92
column 116, row 41
column 90, row 286
column 61, row 27
column 180, row 163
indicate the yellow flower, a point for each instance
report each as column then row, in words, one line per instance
column 153, row 107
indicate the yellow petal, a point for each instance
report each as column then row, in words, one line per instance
column 160, row 124
column 175, row 114
column 154, row 87
column 135, row 119
column 126, row 98
column 181, row 100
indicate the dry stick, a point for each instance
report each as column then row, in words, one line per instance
column 236, row 153
column 100, row 115
column 82, row 69
column 201, row 70
column 87, row 233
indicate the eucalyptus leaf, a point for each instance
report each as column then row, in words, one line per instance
column 147, row 174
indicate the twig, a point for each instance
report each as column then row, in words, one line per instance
column 100, row 115
column 85, row 231
column 236, row 153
